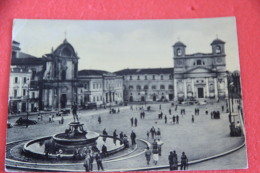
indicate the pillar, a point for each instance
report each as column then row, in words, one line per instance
column 216, row 88
column 185, row 88
column 207, row 87
column 175, row 90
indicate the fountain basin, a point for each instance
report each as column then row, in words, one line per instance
column 36, row 148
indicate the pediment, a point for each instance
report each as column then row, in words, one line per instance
column 199, row 70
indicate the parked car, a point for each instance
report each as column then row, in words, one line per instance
column 24, row 121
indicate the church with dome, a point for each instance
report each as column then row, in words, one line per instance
column 200, row 76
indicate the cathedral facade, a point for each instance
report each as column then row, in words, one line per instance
column 200, row 76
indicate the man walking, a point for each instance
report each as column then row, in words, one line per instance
column 99, row 162
column 133, row 137
column 135, row 122
column 148, row 154
column 132, row 121
column 184, row 161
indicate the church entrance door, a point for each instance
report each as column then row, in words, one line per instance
column 154, row 98
column 200, row 93
column 63, row 100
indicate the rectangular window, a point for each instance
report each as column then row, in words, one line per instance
column 130, row 77
column 153, row 77
column 24, row 80
column 24, row 92
column 16, row 80
column 15, row 93
column 145, row 77
column 33, row 95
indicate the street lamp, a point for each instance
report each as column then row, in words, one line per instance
column 28, row 97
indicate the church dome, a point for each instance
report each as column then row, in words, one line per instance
column 179, row 44
column 217, row 41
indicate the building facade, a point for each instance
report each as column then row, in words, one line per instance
column 153, row 84
column 200, row 76
column 58, row 87
column 100, row 87
column 21, row 96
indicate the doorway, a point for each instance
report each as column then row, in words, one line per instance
column 63, row 101
column 200, row 93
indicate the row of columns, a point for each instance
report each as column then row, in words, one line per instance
column 205, row 88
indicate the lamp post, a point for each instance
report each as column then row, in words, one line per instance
column 28, row 97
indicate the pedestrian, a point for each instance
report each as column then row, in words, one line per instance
column 160, row 143
column 184, row 161
column 148, row 154
column 50, row 118
column 170, row 159
column 99, row 162
column 192, row 118
column 155, row 152
column 135, row 122
column 160, row 107
column 165, row 119
column 99, row 119
column 132, row 121
column 91, row 160
column 170, row 111
column 222, row 108
column 86, row 163
column 133, row 136
column 206, row 112
column 147, row 134
column 173, row 119
column 105, row 132
column 152, row 132
column 177, row 119
column 175, row 161
column 104, row 151
column 158, row 133
column 114, row 136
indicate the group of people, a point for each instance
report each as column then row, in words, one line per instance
column 215, row 115
column 173, row 161
column 133, row 121
column 155, row 152
column 197, row 111
column 142, row 115
column 183, row 111
column 154, row 133
column 90, row 156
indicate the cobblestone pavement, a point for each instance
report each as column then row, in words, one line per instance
column 203, row 138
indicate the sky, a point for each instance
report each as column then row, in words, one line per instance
column 113, row 45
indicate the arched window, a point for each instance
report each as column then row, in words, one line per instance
column 130, row 77
column 170, row 76
column 161, row 77
column 162, row 87
column 138, row 87
column 145, row 77
column 218, row 49
column 179, row 52
column 170, row 87
column 131, row 87
column 138, row 77
column 146, row 87
column 66, row 52
column 63, row 75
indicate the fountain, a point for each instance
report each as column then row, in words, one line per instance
column 74, row 140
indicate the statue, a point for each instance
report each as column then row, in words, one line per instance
column 74, row 112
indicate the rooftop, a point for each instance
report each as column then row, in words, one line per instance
column 145, row 71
